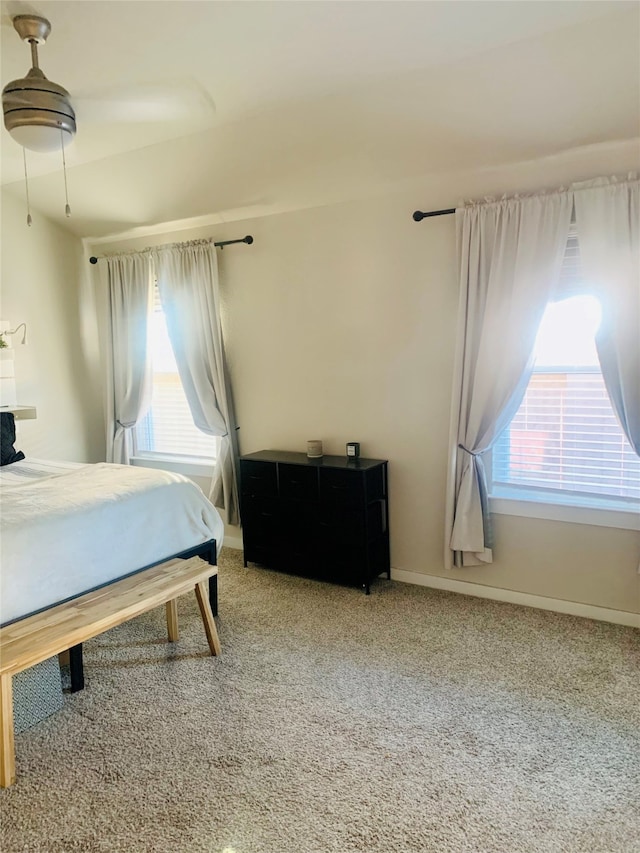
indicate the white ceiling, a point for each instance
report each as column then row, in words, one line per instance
column 317, row 101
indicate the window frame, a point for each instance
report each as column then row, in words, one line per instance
column 567, row 505
column 189, row 466
column 572, row 513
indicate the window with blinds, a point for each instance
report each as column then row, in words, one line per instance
column 168, row 428
column 565, row 443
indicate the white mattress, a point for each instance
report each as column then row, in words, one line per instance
column 66, row 528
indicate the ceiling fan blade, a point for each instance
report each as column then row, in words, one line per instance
column 146, row 103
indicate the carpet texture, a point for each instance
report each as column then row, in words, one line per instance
column 408, row 721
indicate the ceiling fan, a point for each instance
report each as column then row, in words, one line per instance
column 41, row 115
column 37, row 112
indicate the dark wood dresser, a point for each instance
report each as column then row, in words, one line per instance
column 325, row 518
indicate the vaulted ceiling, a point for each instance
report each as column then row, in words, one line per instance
column 314, row 101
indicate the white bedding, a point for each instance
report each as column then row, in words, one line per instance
column 66, row 528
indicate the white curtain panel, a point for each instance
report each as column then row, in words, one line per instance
column 128, row 368
column 510, row 255
column 188, row 283
column 608, row 223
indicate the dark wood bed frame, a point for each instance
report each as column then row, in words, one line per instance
column 207, row 551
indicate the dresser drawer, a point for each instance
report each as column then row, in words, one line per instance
column 298, row 483
column 354, row 563
column 348, row 530
column 264, row 555
column 350, row 526
column 258, row 478
column 375, row 480
column 341, row 487
column 260, row 518
column 299, row 522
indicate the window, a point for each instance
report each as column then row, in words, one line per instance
column 565, row 445
column 168, row 429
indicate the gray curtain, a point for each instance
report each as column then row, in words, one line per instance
column 188, row 283
column 128, row 380
column 608, row 223
column 510, row 256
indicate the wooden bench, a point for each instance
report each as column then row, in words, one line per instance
column 36, row 638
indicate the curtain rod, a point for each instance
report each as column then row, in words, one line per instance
column 630, row 178
column 419, row 215
column 248, row 240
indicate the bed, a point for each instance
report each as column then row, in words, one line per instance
column 68, row 528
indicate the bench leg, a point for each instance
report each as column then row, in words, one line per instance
column 172, row 620
column 7, row 742
column 207, row 618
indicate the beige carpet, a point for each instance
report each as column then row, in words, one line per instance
column 404, row 722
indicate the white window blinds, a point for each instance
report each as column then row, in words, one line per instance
column 571, row 278
column 565, row 437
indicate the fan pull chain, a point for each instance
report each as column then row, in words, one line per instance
column 67, row 209
column 26, row 185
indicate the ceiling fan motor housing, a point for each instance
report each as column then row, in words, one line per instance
column 33, row 101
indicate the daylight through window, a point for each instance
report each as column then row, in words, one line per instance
column 168, row 428
column 565, row 443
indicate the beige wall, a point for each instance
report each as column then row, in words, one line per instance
column 340, row 325
column 41, row 275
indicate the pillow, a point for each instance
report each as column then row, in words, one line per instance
column 8, row 435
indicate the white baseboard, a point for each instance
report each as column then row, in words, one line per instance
column 573, row 608
column 234, row 542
